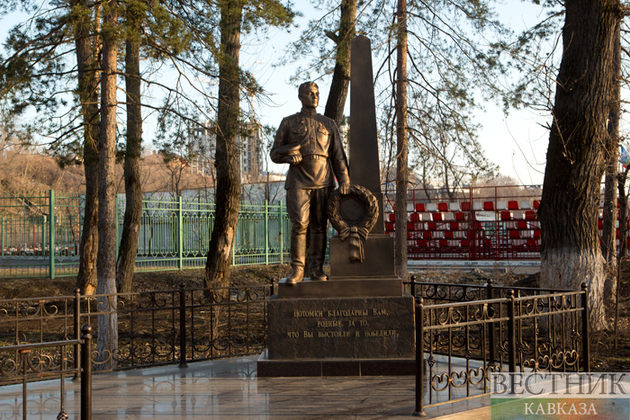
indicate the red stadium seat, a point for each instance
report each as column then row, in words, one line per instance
column 530, row 215
column 420, row 207
column 442, row 207
column 488, row 205
column 392, row 217
column 466, row 206
column 512, row 205
column 460, row 216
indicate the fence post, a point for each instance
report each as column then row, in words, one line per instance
column 77, row 330
column 180, row 229
column 51, row 235
column 266, row 232
column 511, row 332
column 86, row 373
column 413, row 285
column 182, row 325
column 2, row 238
column 281, row 236
column 586, row 352
column 419, row 358
column 491, row 336
column 43, row 235
column 25, row 355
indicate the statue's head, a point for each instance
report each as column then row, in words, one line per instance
column 308, row 94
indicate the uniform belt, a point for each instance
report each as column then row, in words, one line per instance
column 314, row 157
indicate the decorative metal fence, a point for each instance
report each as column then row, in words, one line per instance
column 40, row 234
column 151, row 328
column 25, row 363
column 484, row 329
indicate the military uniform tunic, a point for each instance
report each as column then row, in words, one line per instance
column 322, row 153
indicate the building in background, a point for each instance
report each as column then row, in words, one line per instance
column 202, row 149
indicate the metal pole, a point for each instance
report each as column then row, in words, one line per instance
column 24, row 354
column 419, row 358
column 281, row 222
column 413, row 285
column 511, row 339
column 51, row 228
column 266, row 232
column 86, row 373
column 77, row 329
column 62, row 412
column 491, row 336
column 586, row 351
column 43, row 235
column 180, row 229
column 182, row 325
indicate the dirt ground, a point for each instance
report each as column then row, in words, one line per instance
column 605, row 355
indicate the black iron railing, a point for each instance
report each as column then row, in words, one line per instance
column 483, row 329
column 148, row 328
column 25, row 363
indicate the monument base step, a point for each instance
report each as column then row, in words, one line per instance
column 341, row 287
column 334, row 367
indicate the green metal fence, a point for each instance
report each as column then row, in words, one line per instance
column 40, row 234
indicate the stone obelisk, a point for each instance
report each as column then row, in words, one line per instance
column 364, row 156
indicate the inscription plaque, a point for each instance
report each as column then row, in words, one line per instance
column 368, row 328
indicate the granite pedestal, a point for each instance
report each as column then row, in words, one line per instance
column 339, row 336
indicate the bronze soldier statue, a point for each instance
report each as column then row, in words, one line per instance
column 311, row 144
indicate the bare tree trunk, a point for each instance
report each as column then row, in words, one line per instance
column 401, row 143
column 87, row 47
column 228, row 188
column 576, row 157
column 133, row 188
column 107, row 342
column 609, row 246
column 623, row 217
column 341, row 76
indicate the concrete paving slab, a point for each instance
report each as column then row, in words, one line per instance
column 230, row 389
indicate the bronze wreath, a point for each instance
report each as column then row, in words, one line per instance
column 358, row 232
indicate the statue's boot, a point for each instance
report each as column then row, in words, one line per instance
column 298, row 256
column 317, row 253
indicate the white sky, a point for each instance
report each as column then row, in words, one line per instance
column 518, row 143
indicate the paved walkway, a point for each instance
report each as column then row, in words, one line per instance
column 229, row 389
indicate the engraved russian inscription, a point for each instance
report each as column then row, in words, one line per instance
column 362, row 327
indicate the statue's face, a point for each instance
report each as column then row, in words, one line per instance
column 310, row 97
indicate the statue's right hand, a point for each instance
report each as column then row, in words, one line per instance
column 295, row 159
